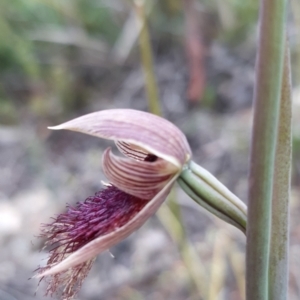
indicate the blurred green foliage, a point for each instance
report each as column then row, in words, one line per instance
column 37, row 54
column 47, row 47
column 238, row 18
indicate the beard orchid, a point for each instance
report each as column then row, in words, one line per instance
column 154, row 154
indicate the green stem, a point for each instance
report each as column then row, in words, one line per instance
column 218, row 186
column 147, row 59
column 214, row 201
column 266, row 114
column 206, row 206
column 278, row 267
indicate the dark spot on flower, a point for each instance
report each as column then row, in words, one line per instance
column 150, row 158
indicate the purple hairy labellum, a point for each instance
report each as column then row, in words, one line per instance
column 154, row 153
column 100, row 214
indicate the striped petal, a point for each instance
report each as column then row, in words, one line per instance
column 132, row 151
column 102, row 243
column 150, row 132
column 141, row 179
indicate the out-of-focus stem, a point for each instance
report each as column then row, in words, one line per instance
column 195, row 52
column 218, row 265
column 170, row 216
column 266, row 115
column 278, row 266
column 147, row 59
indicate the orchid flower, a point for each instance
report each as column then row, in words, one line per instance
column 155, row 154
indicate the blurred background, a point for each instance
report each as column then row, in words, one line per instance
column 60, row 59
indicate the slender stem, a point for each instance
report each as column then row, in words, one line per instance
column 278, row 267
column 147, row 59
column 266, row 114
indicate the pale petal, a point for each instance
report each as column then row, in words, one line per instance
column 138, row 178
column 103, row 243
column 150, row 132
